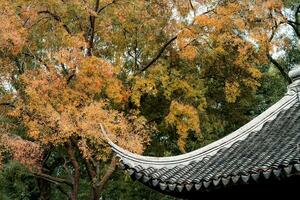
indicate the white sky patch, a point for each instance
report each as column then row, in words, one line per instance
column 7, row 86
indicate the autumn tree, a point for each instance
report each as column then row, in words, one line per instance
column 178, row 72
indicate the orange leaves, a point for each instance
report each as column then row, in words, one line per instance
column 26, row 152
column 204, row 20
column 70, row 96
column 88, row 81
column 129, row 132
column 240, row 24
column 92, row 75
column 273, row 4
column 12, row 35
column 185, row 37
column 189, row 53
column 185, row 118
column 229, row 9
column 116, row 91
column 184, row 42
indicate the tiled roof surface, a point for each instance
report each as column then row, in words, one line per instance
column 272, row 151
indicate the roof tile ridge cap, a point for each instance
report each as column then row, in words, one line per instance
column 254, row 125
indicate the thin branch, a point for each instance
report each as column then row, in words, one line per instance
column 280, row 68
column 57, row 18
column 193, row 8
column 158, row 55
column 292, row 22
column 7, row 104
column 52, row 179
column 106, row 6
column 66, row 168
column 272, row 60
column 71, row 77
column 47, row 153
column 294, row 26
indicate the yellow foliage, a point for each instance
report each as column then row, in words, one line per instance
column 189, row 53
column 254, row 72
column 232, row 91
column 185, row 118
column 116, row 91
column 142, row 86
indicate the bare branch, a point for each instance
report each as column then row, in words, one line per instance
column 158, row 55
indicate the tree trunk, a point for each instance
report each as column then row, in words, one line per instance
column 92, row 172
column 98, row 184
column 107, row 175
column 76, row 176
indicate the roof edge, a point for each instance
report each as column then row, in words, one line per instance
column 133, row 160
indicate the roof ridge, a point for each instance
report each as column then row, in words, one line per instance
column 256, row 124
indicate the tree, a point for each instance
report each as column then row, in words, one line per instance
column 182, row 73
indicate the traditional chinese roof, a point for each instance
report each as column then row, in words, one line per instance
column 266, row 147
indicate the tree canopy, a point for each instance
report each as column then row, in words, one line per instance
column 164, row 76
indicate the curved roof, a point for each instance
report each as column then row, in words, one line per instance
column 269, row 145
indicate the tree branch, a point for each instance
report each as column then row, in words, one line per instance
column 158, row 55
column 192, row 7
column 91, row 30
column 109, row 172
column 106, row 6
column 280, row 68
column 292, row 22
column 272, row 60
column 294, row 26
column 7, row 104
column 57, row 18
column 52, row 179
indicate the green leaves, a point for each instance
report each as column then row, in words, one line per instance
column 17, row 183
